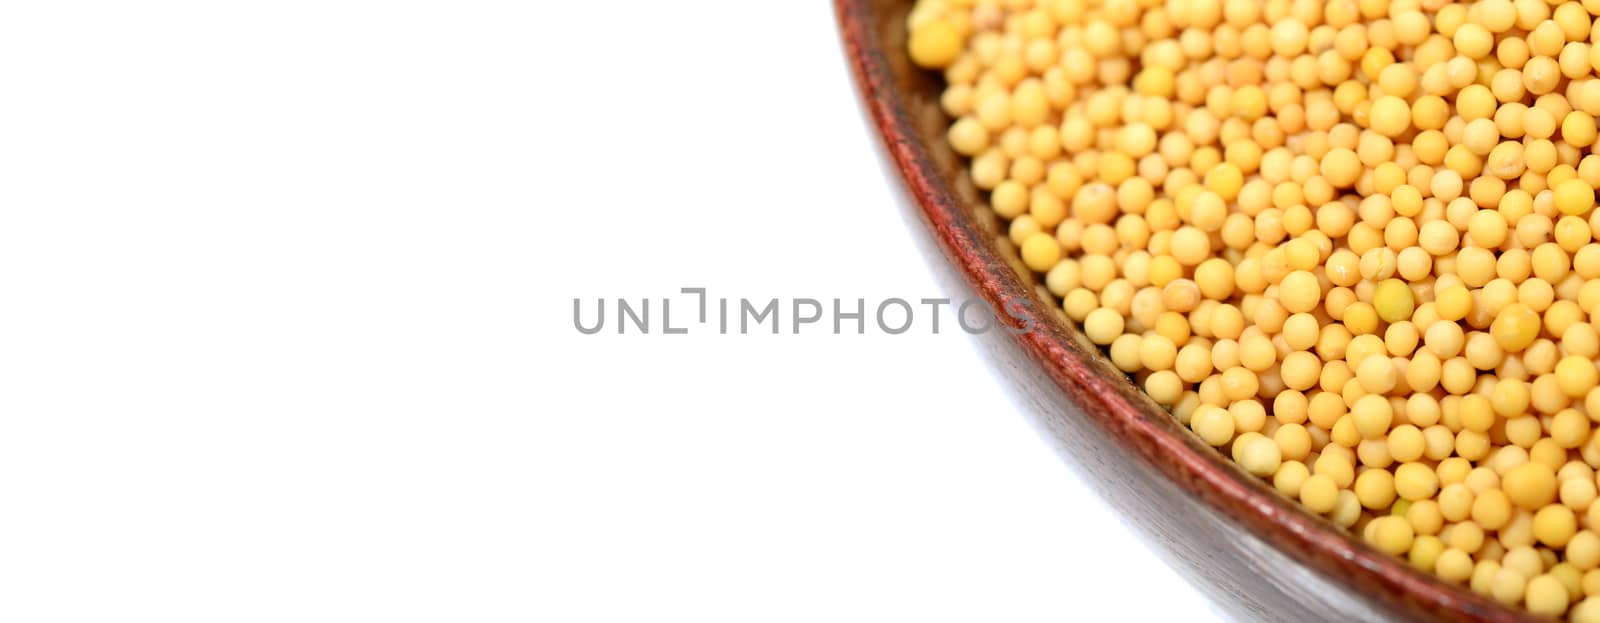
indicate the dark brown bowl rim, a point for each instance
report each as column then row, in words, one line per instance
column 1154, row 437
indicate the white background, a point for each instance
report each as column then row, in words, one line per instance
column 285, row 332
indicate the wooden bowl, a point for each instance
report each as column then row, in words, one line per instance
column 1257, row 554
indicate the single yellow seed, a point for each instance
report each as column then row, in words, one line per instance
column 1392, row 534
column 1319, row 493
column 1416, row 481
column 1372, row 415
column 1361, row 319
column 1555, row 525
column 1214, row 424
column 1576, row 376
column 1454, row 565
column 1391, row 116
column 1103, row 325
column 1578, row 129
column 1574, row 197
column 1377, row 375
column 1508, row 586
column 1375, row 488
column 1260, row 456
column 1190, row 246
column 1473, row 40
column 1583, row 550
column 1393, row 300
column 1588, row 610
column 1041, row 252
column 1341, row 167
column 1515, row 327
column 1452, row 303
column 935, row 44
column 1546, row 596
column 1299, row 292
column 1530, row 485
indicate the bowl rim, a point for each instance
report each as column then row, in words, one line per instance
column 1157, row 440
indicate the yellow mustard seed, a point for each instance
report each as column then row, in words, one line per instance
column 1258, row 455
column 1300, row 292
column 1546, row 596
column 1391, row 116
column 936, row 44
column 1416, row 482
column 1392, row 534
column 1576, row 375
column 1041, row 252
column 1103, row 325
column 1574, row 197
column 1515, row 327
column 1554, row 525
column 1393, row 300
column 1214, row 424
column 1530, row 485
column 1319, row 493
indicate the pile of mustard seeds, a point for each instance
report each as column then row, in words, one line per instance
column 1352, row 244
